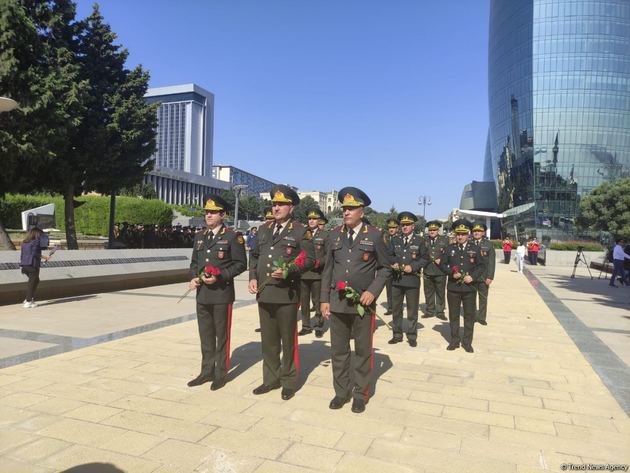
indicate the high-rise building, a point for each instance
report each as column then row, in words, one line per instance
column 235, row 176
column 185, row 128
column 183, row 160
column 559, row 104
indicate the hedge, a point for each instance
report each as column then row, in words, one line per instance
column 92, row 217
column 569, row 245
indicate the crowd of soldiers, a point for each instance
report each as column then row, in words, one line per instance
column 154, row 236
column 339, row 273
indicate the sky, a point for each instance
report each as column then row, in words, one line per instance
column 388, row 96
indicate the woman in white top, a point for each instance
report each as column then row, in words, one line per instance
column 520, row 256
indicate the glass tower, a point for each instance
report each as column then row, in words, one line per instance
column 559, row 104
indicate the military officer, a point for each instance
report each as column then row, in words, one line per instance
column 392, row 231
column 282, row 240
column 224, row 250
column 357, row 257
column 409, row 257
column 488, row 255
column 434, row 278
column 311, row 281
column 269, row 215
column 322, row 222
column 464, row 266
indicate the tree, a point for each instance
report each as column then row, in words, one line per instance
column 42, row 74
column 84, row 124
column 607, row 208
column 145, row 191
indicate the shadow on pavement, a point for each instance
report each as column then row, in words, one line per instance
column 312, row 355
column 604, row 294
column 243, row 358
column 94, row 468
column 444, row 329
column 382, row 364
column 67, row 299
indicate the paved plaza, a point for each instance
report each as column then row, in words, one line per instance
column 102, row 379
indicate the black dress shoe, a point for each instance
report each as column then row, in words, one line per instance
column 426, row 316
column 217, row 384
column 319, row 333
column 358, row 405
column 468, row 348
column 257, row 330
column 388, row 312
column 394, row 340
column 452, row 346
column 441, row 316
column 199, row 380
column 263, row 389
column 412, row 343
column 305, row 331
column 287, row 393
column 482, row 322
column 337, row 402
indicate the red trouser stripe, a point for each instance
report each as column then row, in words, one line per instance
column 296, row 352
column 372, row 322
column 227, row 342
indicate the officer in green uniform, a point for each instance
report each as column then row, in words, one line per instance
column 488, row 255
column 357, row 257
column 464, row 266
column 392, row 231
column 409, row 259
column 311, row 281
column 434, row 278
column 219, row 250
column 282, row 240
column 269, row 215
column 322, row 222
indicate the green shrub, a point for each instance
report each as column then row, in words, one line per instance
column 572, row 245
column 92, row 217
column 193, row 210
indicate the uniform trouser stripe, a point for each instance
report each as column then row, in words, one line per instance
column 296, row 352
column 228, row 338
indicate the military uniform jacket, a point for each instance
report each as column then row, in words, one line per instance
column 436, row 249
column 468, row 260
column 320, row 246
column 414, row 254
column 488, row 256
column 226, row 251
column 293, row 239
column 364, row 265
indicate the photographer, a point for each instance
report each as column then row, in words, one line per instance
column 619, row 255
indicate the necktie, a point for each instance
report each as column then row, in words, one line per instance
column 350, row 233
column 461, row 247
column 210, row 235
column 406, row 242
column 278, row 228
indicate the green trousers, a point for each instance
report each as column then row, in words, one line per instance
column 278, row 332
column 214, row 322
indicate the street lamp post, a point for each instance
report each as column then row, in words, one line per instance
column 424, row 200
column 237, row 192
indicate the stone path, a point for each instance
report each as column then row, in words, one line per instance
column 526, row 400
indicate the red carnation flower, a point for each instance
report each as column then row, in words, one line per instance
column 211, row 270
column 300, row 260
column 317, row 263
column 456, row 269
column 341, row 286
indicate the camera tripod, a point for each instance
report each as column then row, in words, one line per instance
column 605, row 268
column 580, row 258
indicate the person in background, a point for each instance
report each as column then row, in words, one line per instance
column 619, row 255
column 251, row 238
column 507, row 249
column 30, row 262
column 535, row 249
column 520, row 256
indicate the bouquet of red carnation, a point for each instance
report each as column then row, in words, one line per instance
column 207, row 272
column 398, row 269
column 287, row 267
column 352, row 295
column 460, row 281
